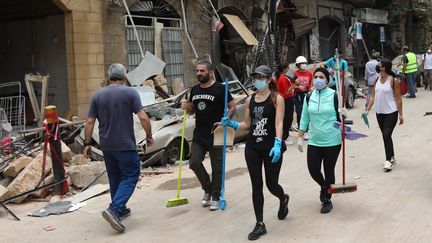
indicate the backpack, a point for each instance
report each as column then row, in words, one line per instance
column 335, row 102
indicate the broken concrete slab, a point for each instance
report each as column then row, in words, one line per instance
column 66, row 152
column 79, row 159
column 29, row 178
column 148, row 67
column 6, row 181
column 177, row 86
column 16, row 166
column 82, row 175
column 44, row 192
column 160, row 80
column 3, row 192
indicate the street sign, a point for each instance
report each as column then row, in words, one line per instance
column 382, row 34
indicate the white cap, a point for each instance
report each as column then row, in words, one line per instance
column 301, row 59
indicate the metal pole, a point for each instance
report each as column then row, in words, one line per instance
column 54, row 144
column 134, row 28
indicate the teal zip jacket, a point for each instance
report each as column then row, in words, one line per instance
column 319, row 115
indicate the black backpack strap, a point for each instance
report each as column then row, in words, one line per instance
column 308, row 95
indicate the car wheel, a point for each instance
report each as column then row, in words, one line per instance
column 172, row 152
column 350, row 97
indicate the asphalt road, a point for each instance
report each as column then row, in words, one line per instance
column 388, row 207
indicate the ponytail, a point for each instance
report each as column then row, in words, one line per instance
column 282, row 66
column 274, row 91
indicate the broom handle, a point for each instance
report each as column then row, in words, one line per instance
column 224, row 141
column 343, row 128
column 181, row 153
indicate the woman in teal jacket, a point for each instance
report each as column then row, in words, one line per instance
column 318, row 115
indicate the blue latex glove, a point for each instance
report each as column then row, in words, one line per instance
column 275, row 152
column 226, row 121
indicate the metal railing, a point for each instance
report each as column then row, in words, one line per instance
column 12, row 109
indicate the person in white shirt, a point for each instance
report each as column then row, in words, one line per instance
column 387, row 99
column 371, row 73
column 427, row 68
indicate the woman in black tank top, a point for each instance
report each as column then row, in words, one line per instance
column 264, row 120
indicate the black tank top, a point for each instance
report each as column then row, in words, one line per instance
column 262, row 132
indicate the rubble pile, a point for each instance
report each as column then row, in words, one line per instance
column 28, row 172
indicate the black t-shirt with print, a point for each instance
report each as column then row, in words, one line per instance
column 209, row 109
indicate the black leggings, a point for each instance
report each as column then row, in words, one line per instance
column 387, row 123
column 323, row 155
column 288, row 117
column 254, row 161
column 299, row 99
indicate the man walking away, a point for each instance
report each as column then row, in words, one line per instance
column 409, row 70
column 207, row 102
column 371, row 74
column 113, row 106
column 427, row 68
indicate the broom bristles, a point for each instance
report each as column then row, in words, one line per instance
column 177, row 202
column 342, row 188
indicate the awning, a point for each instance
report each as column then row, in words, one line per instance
column 303, row 26
column 241, row 29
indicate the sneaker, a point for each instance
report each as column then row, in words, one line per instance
column 288, row 142
column 214, row 205
column 323, row 194
column 411, row 96
column 126, row 213
column 206, row 200
column 283, row 208
column 392, row 160
column 257, row 232
column 326, row 207
column 387, row 166
column 114, row 220
column 306, row 136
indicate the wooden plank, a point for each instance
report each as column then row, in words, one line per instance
column 241, row 29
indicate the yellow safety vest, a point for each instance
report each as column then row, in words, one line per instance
column 412, row 63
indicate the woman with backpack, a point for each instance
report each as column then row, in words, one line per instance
column 264, row 121
column 386, row 96
column 319, row 114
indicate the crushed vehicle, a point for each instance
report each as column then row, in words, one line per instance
column 166, row 120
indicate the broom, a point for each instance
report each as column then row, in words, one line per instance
column 178, row 201
column 222, row 202
column 344, row 187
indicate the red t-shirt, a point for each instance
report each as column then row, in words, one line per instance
column 304, row 79
column 283, row 84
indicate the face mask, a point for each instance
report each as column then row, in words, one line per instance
column 260, row 84
column 303, row 66
column 203, row 79
column 429, row 51
column 319, row 84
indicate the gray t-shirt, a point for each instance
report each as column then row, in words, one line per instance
column 113, row 107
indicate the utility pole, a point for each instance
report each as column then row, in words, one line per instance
column 409, row 26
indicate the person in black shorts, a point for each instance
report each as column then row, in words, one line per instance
column 206, row 101
column 264, row 119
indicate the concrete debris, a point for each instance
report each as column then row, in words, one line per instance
column 6, row 181
column 29, row 178
column 82, row 175
column 79, row 159
column 149, row 82
column 177, row 86
column 44, row 192
column 66, row 152
column 148, row 67
column 160, row 80
column 16, row 166
column 3, row 192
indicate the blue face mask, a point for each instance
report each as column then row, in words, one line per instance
column 260, row 84
column 319, row 83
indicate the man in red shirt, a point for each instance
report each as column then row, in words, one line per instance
column 286, row 90
column 304, row 79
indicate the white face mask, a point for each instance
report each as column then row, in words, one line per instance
column 303, row 66
column 429, row 51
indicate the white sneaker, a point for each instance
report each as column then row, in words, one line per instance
column 206, row 200
column 392, row 160
column 306, row 136
column 214, row 205
column 387, row 166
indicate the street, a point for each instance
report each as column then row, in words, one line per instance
column 388, row 207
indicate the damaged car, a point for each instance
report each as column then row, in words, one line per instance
column 166, row 119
